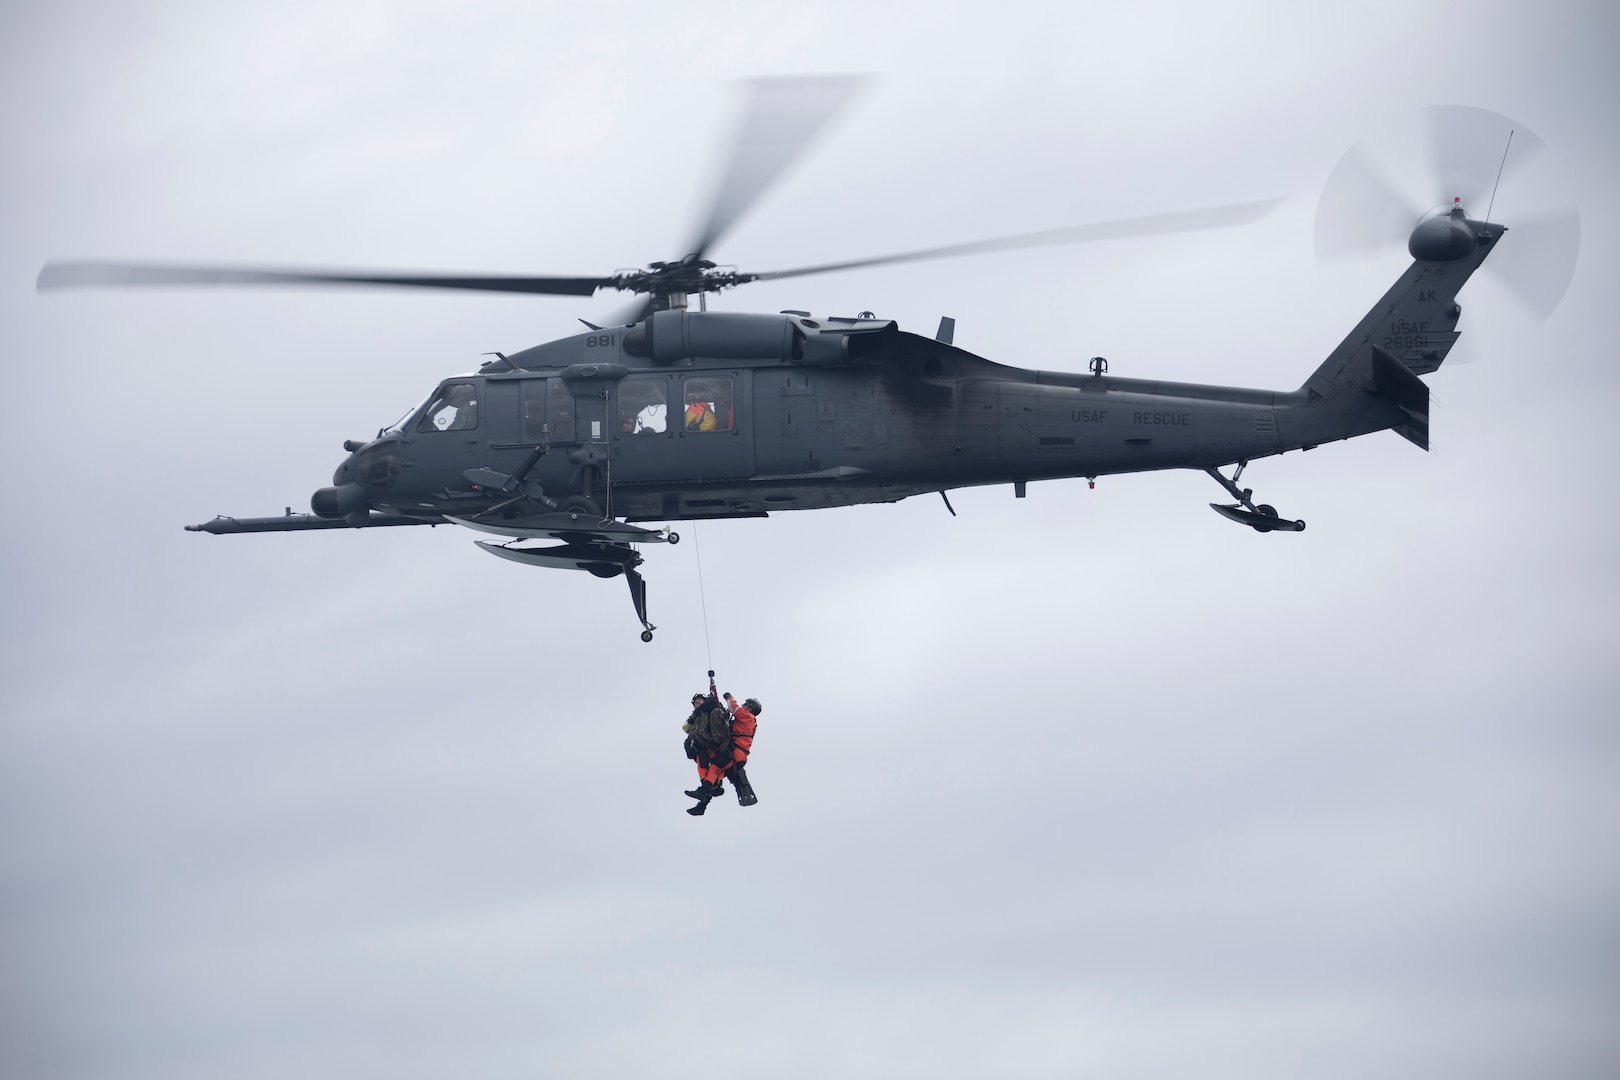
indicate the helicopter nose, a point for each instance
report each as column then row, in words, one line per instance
column 340, row 501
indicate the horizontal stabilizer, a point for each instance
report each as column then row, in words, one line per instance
column 1395, row 380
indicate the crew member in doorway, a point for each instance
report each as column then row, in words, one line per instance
column 743, row 724
column 708, row 743
column 699, row 413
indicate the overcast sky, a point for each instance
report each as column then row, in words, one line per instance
column 1089, row 784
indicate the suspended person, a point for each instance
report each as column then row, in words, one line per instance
column 697, row 738
column 743, row 723
column 708, row 733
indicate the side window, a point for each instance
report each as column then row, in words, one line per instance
column 453, row 408
column 534, row 410
column 561, row 410
column 709, row 405
column 643, row 407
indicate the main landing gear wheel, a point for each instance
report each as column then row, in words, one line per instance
column 674, row 537
column 646, row 635
column 1262, row 518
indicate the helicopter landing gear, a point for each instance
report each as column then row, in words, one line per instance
column 638, row 597
column 604, row 552
column 673, row 536
column 1262, row 518
column 582, row 505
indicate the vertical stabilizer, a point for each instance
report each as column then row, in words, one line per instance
column 1370, row 382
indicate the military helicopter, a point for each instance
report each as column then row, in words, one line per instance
column 565, row 450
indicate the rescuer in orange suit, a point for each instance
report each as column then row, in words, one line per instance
column 699, row 415
column 743, row 723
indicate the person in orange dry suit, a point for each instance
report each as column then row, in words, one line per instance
column 699, row 414
column 743, row 724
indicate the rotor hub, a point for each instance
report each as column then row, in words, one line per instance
column 667, row 281
column 1443, row 235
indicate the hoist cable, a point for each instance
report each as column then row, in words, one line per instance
column 702, row 600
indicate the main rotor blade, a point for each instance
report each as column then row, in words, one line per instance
column 1214, row 217
column 780, row 119
column 1360, row 210
column 631, row 313
column 66, row 275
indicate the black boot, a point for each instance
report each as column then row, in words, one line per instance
column 702, row 793
column 745, row 790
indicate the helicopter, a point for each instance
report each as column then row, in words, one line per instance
column 567, row 453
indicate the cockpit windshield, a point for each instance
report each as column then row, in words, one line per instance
column 398, row 426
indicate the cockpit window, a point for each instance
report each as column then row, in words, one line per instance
column 399, row 426
column 453, row 408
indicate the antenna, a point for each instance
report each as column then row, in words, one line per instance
column 1499, row 169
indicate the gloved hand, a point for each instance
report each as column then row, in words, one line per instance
column 691, row 748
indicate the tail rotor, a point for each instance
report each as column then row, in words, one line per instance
column 1376, row 196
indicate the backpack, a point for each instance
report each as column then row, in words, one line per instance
column 714, row 727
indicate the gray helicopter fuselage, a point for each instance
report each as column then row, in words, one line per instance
column 881, row 416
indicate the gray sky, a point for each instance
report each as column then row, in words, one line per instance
column 1092, row 783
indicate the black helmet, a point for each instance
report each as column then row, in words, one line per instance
column 752, row 705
